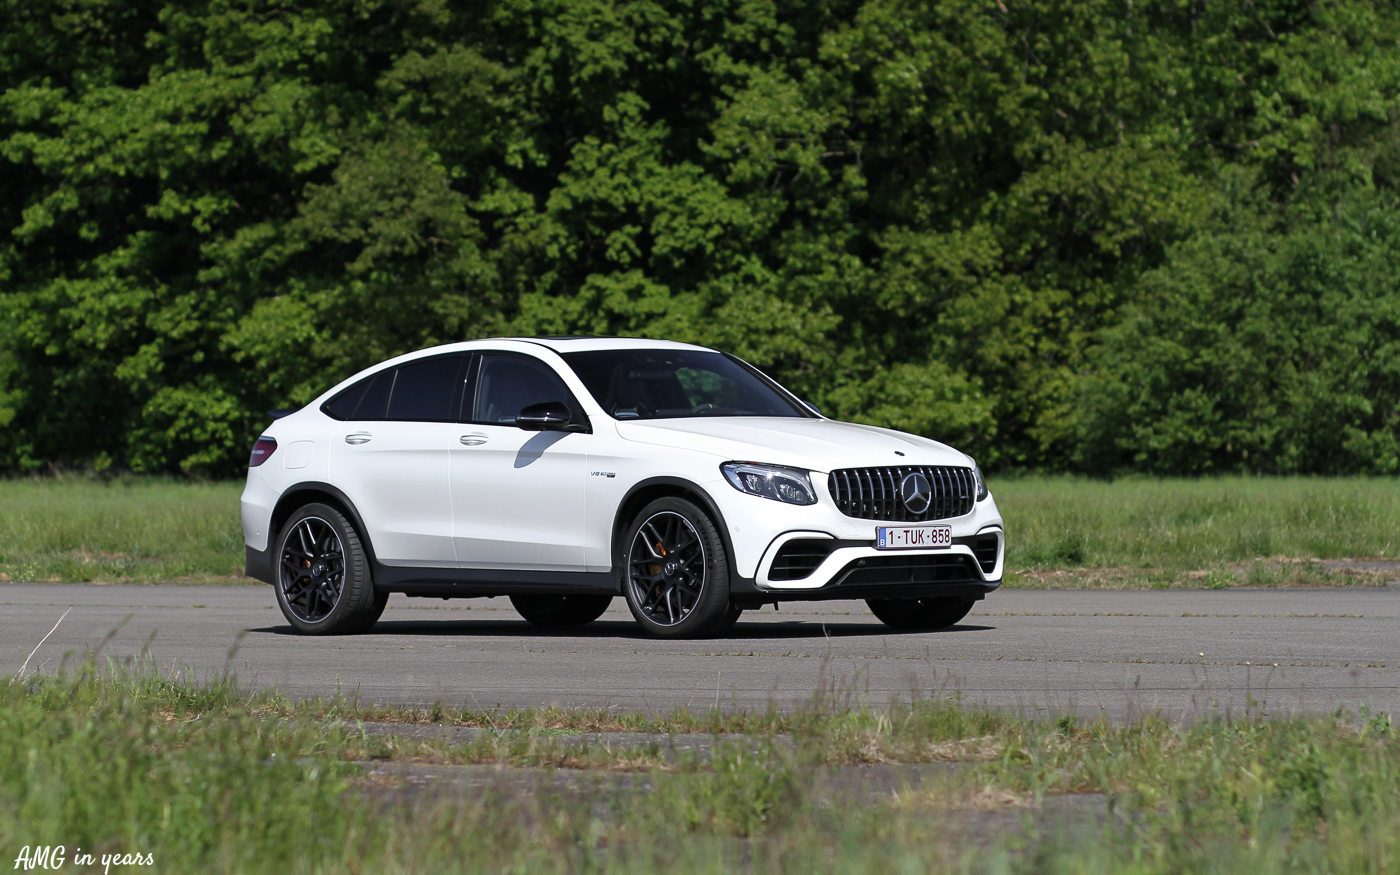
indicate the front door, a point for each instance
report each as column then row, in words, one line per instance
column 518, row 496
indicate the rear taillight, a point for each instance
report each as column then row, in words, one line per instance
column 262, row 451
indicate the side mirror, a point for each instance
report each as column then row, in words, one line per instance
column 814, row 408
column 549, row 416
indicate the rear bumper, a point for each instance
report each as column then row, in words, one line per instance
column 257, row 564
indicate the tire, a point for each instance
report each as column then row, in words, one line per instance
column 371, row 616
column 729, row 620
column 323, row 580
column 920, row 613
column 675, row 571
column 561, row 610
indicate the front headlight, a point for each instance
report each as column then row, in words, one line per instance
column 981, row 482
column 788, row 485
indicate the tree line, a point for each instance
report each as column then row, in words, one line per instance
column 1091, row 235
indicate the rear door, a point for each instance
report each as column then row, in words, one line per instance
column 392, row 458
column 518, row 496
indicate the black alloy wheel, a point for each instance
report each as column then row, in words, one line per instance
column 323, row 580
column 312, row 569
column 677, row 572
column 935, row 613
column 667, row 568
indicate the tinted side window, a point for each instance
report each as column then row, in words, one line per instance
column 364, row 400
column 424, row 391
column 507, row 383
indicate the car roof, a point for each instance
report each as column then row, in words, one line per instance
column 581, row 343
column 557, row 344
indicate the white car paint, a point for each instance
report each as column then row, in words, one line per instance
column 483, row 497
column 518, row 499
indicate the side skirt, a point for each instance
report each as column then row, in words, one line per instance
column 477, row 582
column 460, row 582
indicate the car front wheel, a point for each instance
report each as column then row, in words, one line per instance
column 676, row 571
column 323, row 577
column 919, row 613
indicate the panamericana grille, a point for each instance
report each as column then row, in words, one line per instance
column 873, row 493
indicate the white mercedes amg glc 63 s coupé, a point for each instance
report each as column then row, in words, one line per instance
column 563, row 472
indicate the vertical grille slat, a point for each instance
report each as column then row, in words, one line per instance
column 874, row 493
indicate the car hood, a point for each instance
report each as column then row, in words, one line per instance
column 817, row 444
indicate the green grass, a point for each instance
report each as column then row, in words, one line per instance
column 138, row 530
column 208, row 778
column 1228, row 529
column 1133, row 532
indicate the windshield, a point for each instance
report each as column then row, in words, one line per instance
column 666, row 384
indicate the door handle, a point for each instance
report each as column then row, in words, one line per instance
column 355, row 438
column 472, row 440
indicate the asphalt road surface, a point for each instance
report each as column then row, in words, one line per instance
column 1184, row 652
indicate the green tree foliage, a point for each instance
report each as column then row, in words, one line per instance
column 1272, row 344
column 1087, row 233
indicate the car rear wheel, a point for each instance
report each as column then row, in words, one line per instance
column 561, row 610
column 323, row 577
column 676, row 571
column 920, row 613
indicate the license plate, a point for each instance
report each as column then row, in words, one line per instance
column 913, row 537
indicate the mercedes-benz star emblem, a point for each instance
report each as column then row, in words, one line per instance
column 916, row 492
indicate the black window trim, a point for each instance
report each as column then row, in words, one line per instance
column 576, row 410
column 454, row 405
column 467, row 398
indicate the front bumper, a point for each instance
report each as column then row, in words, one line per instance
column 972, row 559
column 760, row 528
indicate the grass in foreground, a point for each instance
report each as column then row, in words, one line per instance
column 1062, row 531
column 207, row 778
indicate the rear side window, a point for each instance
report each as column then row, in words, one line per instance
column 424, row 390
column 366, row 400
